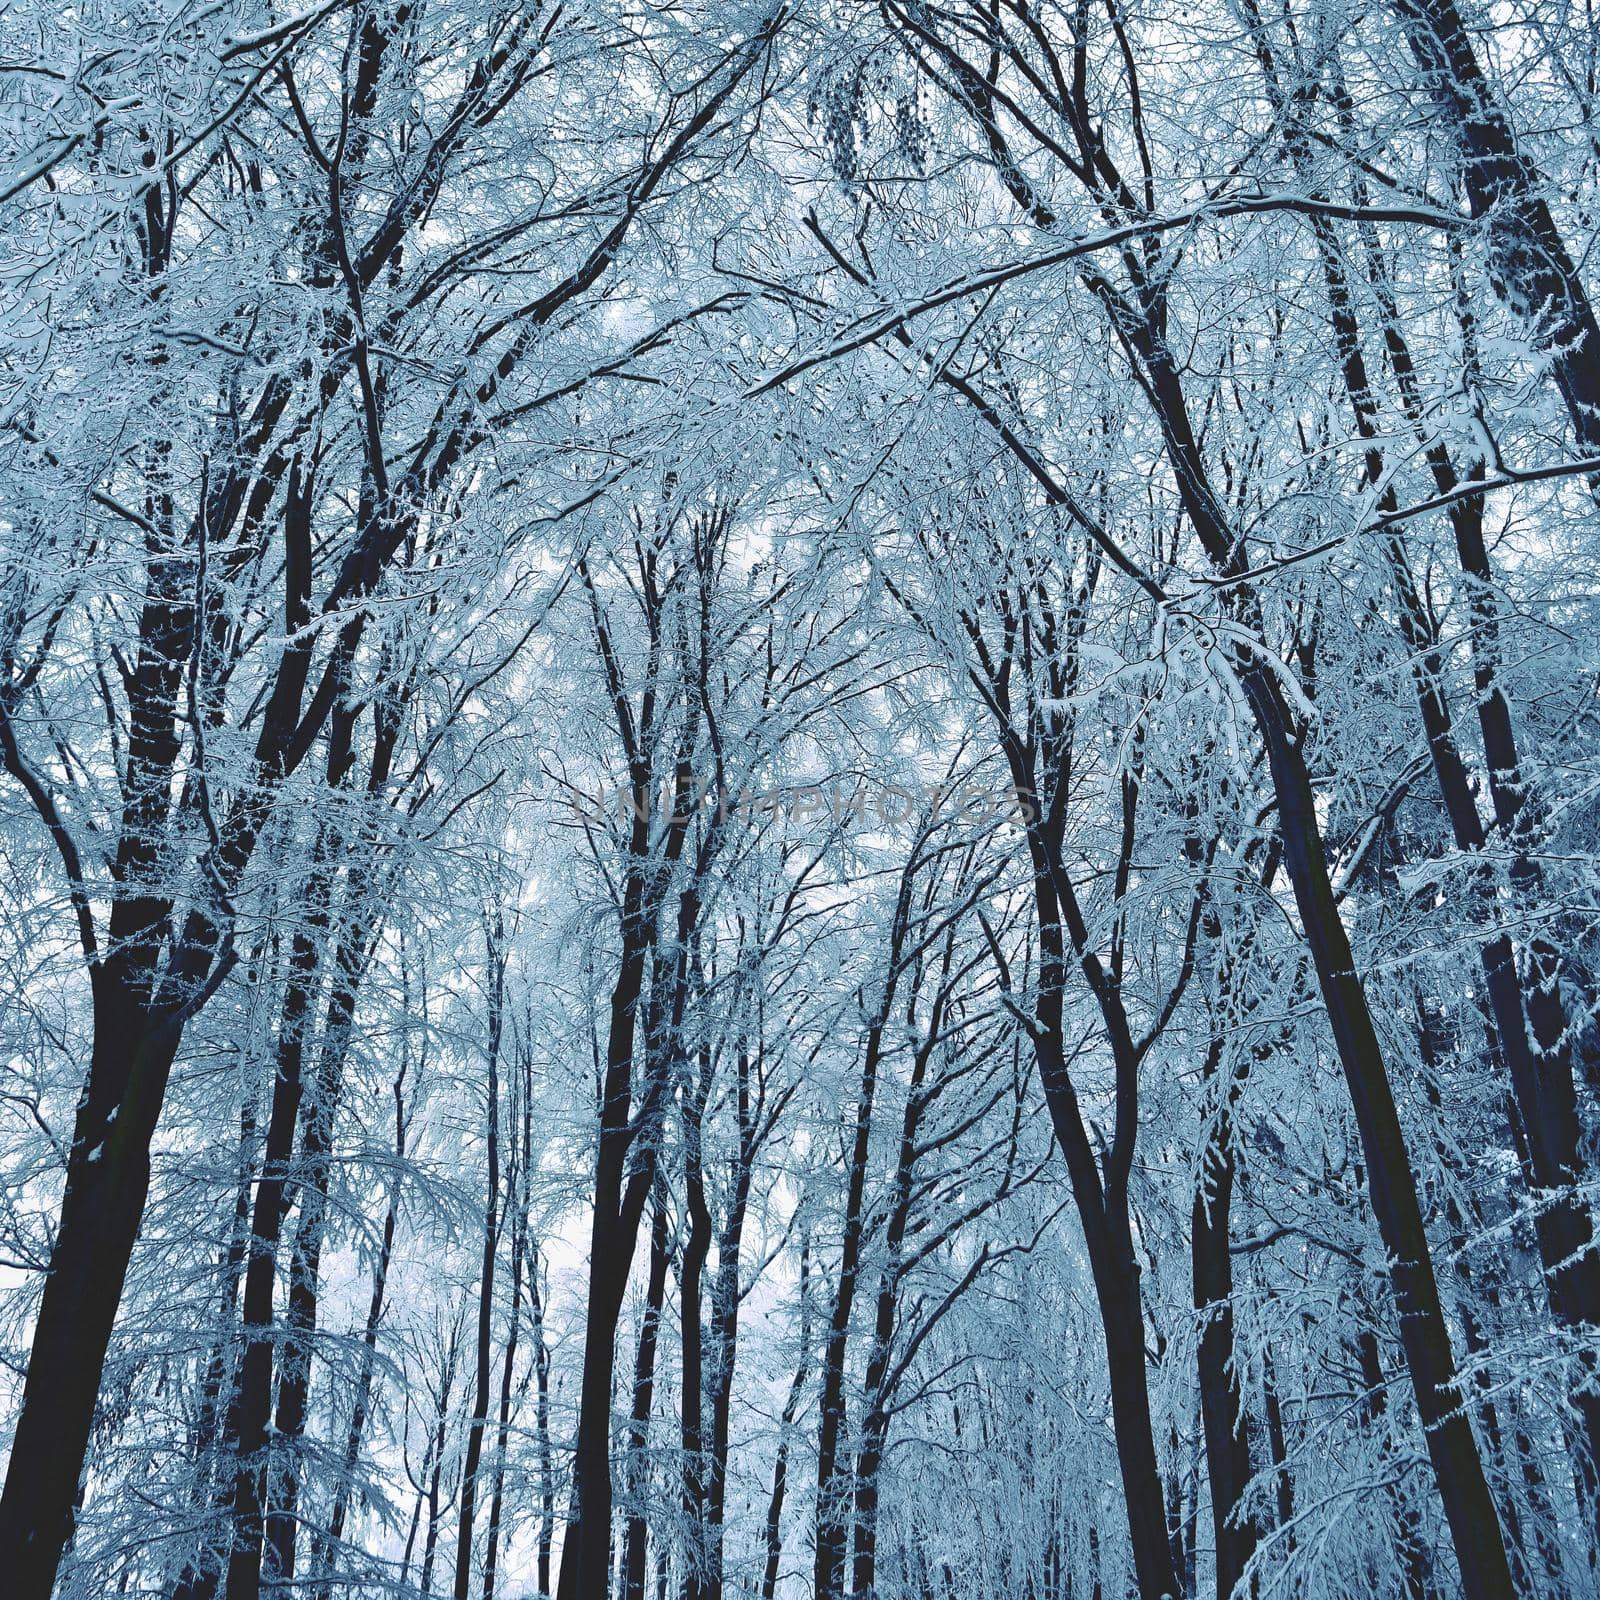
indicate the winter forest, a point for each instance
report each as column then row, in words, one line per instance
column 799, row 798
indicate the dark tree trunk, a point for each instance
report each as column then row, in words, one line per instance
column 1278, row 1450
column 625, row 1130
column 696, row 1249
column 213, row 1445
column 874, row 1433
column 636, row 1535
column 547, row 1475
column 833, row 1490
column 618, row 1204
column 1228, row 1462
column 1138, row 317
column 479, row 1418
column 1480, row 1547
column 430, row 1543
column 1409, row 1552
column 318, row 1118
column 253, row 1400
column 1474, row 1524
column 108, row 1165
column 725, row 1294
column 100, row 1214
column 139, row 1018
column 522, row 1168
column 362, row 1405
column 1101, row 1199
column 834, row 1493
column 269, row 1487
column 780, row 1465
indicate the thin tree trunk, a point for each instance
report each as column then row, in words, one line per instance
column 1283, row 1480
column 696, row 1248
column 547, row 1476
column 637, row 1532
column 725, row 1295
column 359, row 1410
column 620, row 1194
column 833, row 1510
column 430, row 1544
column 253, row 1401
column 479, row 1418
column 833, row 1497
column 1227, row 1438
column 780, row 1465
column 1101, row 1200
column 351, row 955
column 202, row 1573
column 875, row 1422
column 518, row 1199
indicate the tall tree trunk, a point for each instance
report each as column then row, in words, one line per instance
column 1138, row 317
column 1480, row 1547
column 834, row 1499
column 619, row 1198
column 1474, row 1524
column 1277, row 1449
column 833, row 1492
column 696, row 1249
column 517, row 1194
column 362, row 1405
column 479, row 1417
column 1469, row 1508
column 725, row 1296
column 202, row 1572
column 436, row 1499
column 541, row 1425
column 780, row 1466
column 636, row 1535
column 874, row 1432
column 318, row 1118
column 1409, row 1553
column 1227, row 1438
column 253, row 1399
column 1101, row 1198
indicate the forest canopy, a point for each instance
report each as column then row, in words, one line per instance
column 799, row 798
